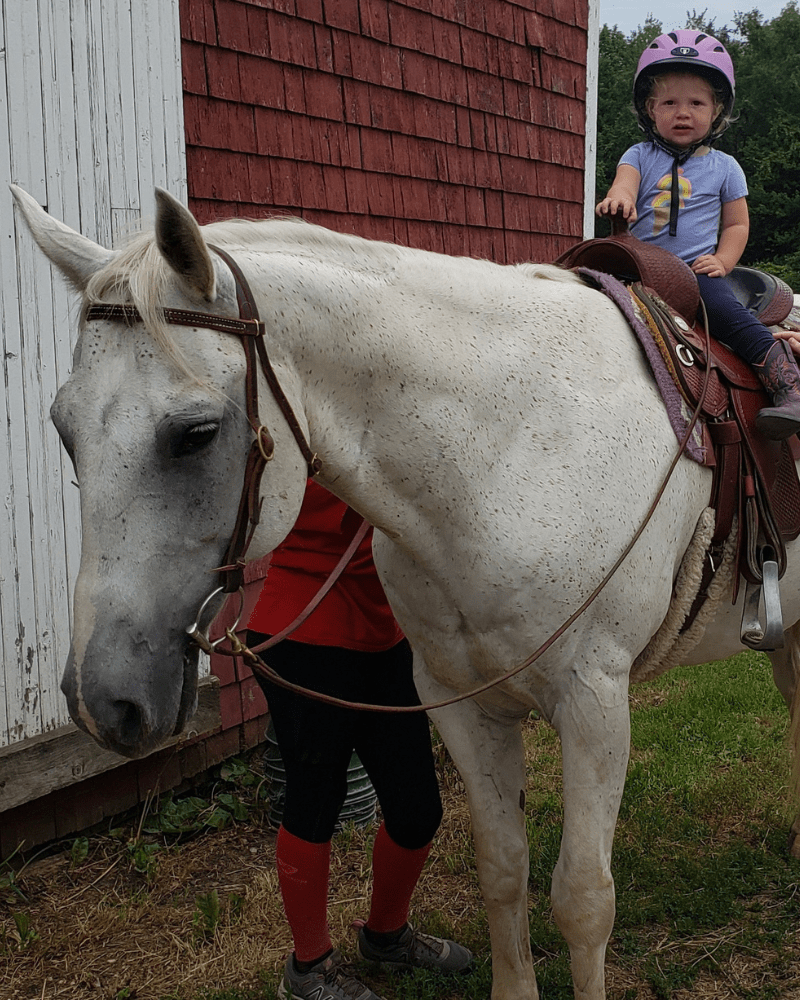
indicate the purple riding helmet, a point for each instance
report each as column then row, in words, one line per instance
column 696, row 52
column 689, row 50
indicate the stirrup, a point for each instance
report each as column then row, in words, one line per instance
column 770, row 635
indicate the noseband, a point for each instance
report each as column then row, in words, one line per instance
column 250, row 331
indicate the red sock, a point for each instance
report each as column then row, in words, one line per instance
column 395, row 873
column 303, row 875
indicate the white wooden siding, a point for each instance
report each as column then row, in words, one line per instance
column 91, row 119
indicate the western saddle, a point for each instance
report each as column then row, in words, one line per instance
column 755, row 483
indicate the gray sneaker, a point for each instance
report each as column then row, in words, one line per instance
column 414, row 950
column 327, row 980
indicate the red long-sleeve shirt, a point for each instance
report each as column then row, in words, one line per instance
column 355, row 613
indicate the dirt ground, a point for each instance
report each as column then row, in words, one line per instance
column 203, row 916
column 100, row 928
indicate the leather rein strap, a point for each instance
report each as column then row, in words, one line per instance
column 257, row 665
column 250, row 331
column 336, row 572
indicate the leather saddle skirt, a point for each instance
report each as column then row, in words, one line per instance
column 755, row 480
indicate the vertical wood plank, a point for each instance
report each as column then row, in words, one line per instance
column 120, row 126
column 26, row 144
column 9, row 340
column 91, row 114
column 91, row 134
column 174, row 177
column 48, row 356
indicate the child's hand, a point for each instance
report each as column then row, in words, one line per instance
column 710, row 264
column 792, row 338
column 621, row 203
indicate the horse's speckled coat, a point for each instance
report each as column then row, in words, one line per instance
column 495, row 424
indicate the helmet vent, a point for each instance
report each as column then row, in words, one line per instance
column 700, row 39
column 672, row 35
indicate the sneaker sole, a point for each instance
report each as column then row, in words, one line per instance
column 379, row 963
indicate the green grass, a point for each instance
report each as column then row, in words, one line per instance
column 700, row 859
column 701, row 846
column 706, row 889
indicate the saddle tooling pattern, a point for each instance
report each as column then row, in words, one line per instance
column 755, row 482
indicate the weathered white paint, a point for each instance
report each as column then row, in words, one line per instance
column 91, row 117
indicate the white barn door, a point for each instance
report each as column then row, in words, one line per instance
column 91, row 119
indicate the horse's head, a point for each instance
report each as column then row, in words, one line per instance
column 154, row 420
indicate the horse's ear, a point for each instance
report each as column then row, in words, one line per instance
column 181, row 242
column 74, row 255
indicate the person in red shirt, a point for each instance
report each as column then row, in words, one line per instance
column 350, row 647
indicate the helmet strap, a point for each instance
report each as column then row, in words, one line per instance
column 679, row 156
column 674, row 198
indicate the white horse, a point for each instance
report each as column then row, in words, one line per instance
column 498, row 427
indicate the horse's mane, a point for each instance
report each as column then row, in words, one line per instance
column 138, row 274
column 289, row 234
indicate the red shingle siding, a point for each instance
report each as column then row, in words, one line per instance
column 447, row 125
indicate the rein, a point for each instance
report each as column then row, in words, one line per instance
column 250, row 330
column 258, row 666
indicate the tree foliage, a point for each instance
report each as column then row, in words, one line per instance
column 765, row 138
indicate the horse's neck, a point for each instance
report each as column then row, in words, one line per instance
column 354, row 363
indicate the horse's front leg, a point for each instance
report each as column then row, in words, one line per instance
column 786, row 671
column 489, row 756
column 592, row 719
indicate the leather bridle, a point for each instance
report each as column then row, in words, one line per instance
column 250, row 331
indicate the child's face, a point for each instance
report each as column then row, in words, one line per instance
column 683, row 108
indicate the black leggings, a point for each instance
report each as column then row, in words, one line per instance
column 316, row 740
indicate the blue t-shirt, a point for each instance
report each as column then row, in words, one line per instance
column 707, row 180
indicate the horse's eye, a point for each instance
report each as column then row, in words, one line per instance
column 194, row 439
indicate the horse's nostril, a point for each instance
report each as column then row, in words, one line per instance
column 129, row 726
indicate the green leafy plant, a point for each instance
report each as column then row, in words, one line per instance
column 237, row 793
column 25, row 934
column 79, row 851
column 143, row 856
column 9, row 887
column 208, row 914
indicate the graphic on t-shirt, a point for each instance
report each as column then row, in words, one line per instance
column 663, row 199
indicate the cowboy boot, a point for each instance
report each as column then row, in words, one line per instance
column 781, row 377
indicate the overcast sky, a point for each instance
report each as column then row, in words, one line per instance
column 628, row 15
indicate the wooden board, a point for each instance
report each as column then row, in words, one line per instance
column 58, row 759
